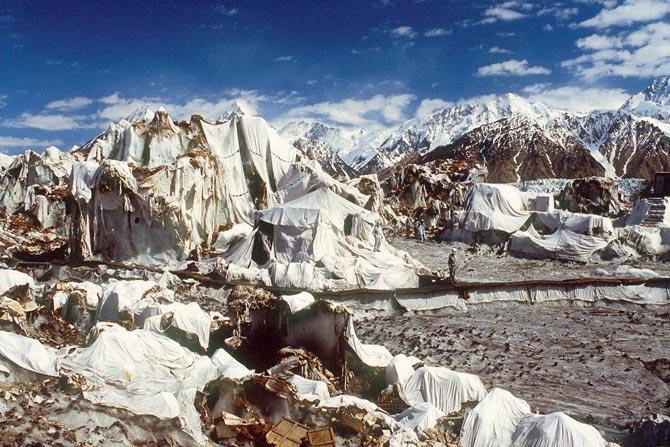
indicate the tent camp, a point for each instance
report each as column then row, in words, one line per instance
column 317, row 239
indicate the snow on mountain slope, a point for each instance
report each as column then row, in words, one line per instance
column 624, row 143
column 652, row 102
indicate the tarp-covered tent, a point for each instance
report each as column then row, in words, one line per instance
column 495, row 207
column 319, row 237
column 446, row 389
column 493, row 421
column 555, row 430
column 563, row 244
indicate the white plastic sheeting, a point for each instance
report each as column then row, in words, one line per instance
column 311, row 390
column 372, row 355
column 319, row 241
column 189, row 318
column 143, row 372
column 419, row 417
column 228, row 366
column 555, row 430
column 493, row 421
column 125, row 295
column 588, row 224
column 298, row 301
column 446, row 389
column 13, row 278
column 400, row 369
column 563, row 244
column 495, row 207
column 28, row 353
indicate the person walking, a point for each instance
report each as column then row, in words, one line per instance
column 451, row 263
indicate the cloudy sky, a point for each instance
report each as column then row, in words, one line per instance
column 69, row 70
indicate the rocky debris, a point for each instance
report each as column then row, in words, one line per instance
column 433, row 193
column 593, row 195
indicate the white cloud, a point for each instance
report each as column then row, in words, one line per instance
column 629, row 12
column 226, row 11
column 3, row 101
column 512, row 67
column 377, row 111
column 404, row 31
column 437, row 32
column 644, row 52
column 117, row 107
column 559, row 13
column 498, row 50
column 70, row 104
column 501, row 13
column 285, row 59
column 7, row 142
column 44, row 122
column 430, row 105
column 577, row 99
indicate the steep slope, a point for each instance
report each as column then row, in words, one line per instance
column 329, row 160
column 652, row 102
column 629, row 142
column 517, row 149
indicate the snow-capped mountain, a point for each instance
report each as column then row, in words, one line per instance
column 351, row 144
column 326, row 157
column 652, row 102
column 425, row 133
column 629, row 142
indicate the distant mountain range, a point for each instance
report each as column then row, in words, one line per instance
column 514, row 138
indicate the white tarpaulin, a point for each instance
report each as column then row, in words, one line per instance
column 562, row 244
column 419, row 417
column 493, row 421
column 555, row 430
column 446, row 389
column 400, row 369
column 311, row 390
column 228, row 366
column 588, row 224
column 189, row 318
column 118, row 296
column 141, row 371
column 28, row 353
column 372, row 355
column 494, row 207
column 298, row 301
column 13, row 278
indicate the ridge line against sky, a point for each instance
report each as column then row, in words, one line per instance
column 73, row 68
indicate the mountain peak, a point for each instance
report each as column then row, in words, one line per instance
column 652, row 102
column 237, row 108
column 141, row 114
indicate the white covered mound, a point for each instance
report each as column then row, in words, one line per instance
column 495, row 207
column 445, row 389
column 555, row 430
column 493, row 421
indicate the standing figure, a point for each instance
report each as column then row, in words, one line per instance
column 421, row 231
column 408, row 228
column 379, row 237
column 452, row 265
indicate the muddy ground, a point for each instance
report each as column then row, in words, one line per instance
column 487, row 264
column 604, row 365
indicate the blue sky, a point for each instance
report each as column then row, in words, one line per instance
column 71, row 67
